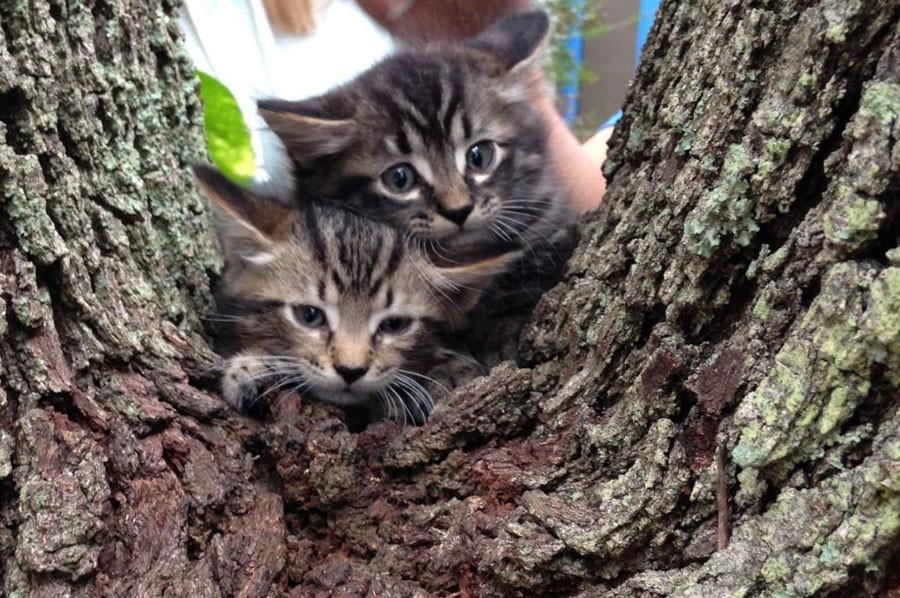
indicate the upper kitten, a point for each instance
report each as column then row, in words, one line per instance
column 442, row 141
column 327, row 301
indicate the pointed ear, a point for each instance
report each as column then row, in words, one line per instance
column 515, row 41
column 308, row 129
column 250, row 227
column 466, row 282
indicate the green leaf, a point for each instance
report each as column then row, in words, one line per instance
column 227, row 136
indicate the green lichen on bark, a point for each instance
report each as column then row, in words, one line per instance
column 726, row 210
column 107, row 200
column 861, row 203
column 807, row 542
column 822, row 373
column 105, row 263
column 615, row 515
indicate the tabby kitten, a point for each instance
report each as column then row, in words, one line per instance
column 443, row 142
column 328, row 302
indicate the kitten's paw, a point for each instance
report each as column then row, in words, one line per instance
column 241, row 381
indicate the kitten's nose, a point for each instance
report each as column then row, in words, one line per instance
column 456, row 216
column 350, row 375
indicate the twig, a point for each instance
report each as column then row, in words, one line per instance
column 722, row 497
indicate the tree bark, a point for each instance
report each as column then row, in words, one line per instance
column 707, row 406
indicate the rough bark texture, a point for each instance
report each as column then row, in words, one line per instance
column 737, row 294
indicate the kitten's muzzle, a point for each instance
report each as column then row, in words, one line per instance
column 350, row 374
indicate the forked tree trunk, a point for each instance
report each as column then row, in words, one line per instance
column 737, row 295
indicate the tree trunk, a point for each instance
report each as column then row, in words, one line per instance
column 722, row 356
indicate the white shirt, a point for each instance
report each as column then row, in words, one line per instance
column 233, row 41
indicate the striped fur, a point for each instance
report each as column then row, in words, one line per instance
column 357, row 277
column 427, row 108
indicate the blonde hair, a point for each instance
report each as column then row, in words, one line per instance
column 291, row 17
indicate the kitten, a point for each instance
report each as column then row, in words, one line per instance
column 330, row 303
column 443, row 142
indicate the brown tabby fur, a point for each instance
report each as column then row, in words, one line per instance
column 425, row 110
column 357, row 274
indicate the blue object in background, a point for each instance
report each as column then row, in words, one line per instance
column 575, row 47
column 646, row 14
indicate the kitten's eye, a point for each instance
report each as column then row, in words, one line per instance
column 396, row 325
column 399, row 178
column 480, row 156
column 310, row 316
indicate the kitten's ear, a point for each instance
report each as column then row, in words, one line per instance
column 308, row 129
column 250, row 227
column 466, row 282
column 516, row 41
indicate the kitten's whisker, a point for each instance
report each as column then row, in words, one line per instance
column 516, row 222
column 424, row 377
column 224, row 364
column 275, row 368
column 279, row 385
column 416, row 404
column 523, row 214
column 466, row 358
column 402, row 404
column 387, row 406
column 269, row 358
column 507, row 225
column 269, row 373
column 393, row 410
column 428, row 279
column 275, row 385
column 296, row 382
column 511, row 219
column 418, row 393
column 532, row 198
column 221, row 366
column 500, row 223
column 511, row 216
column 499, row 232
column 533, row 202
column 398, row 414
column 438, row 250
column 511, row 225
column 523, row 209
column 396, row 406
column 521, row 221
column 418, row 390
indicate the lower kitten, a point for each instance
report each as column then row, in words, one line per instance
column 326, row 302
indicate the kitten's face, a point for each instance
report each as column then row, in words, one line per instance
column 347, row 324
column 441, row 142
column 337, row 303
